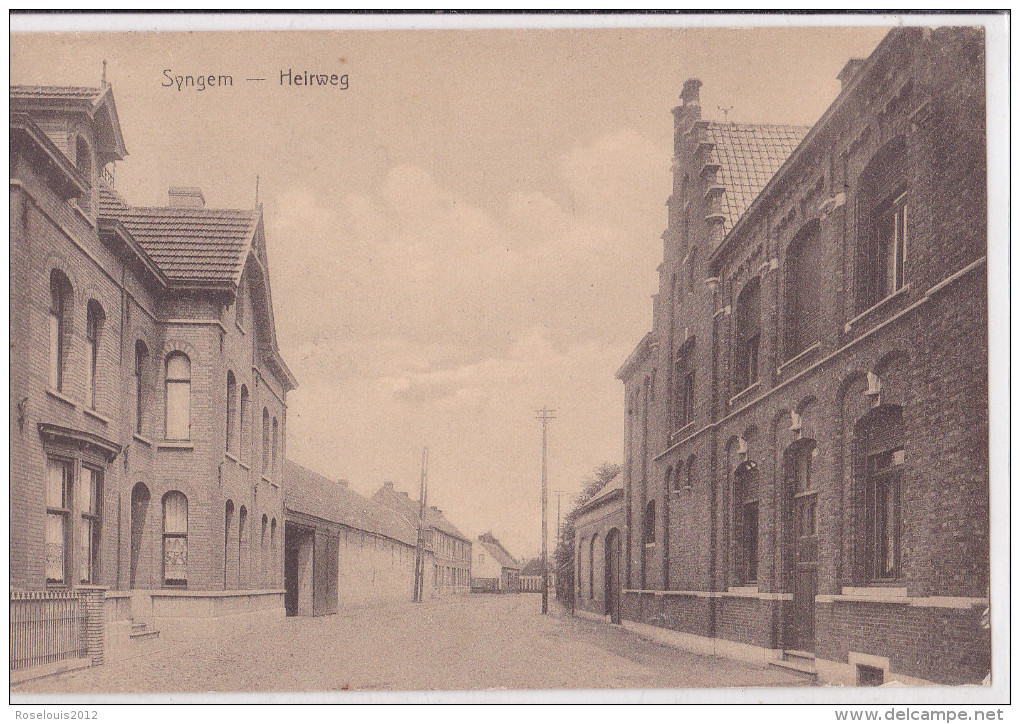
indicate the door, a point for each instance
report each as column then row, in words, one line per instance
column 139, row 511
column 612, row 578
column 802, row 560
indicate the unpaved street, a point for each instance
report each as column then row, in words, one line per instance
column 474, row 642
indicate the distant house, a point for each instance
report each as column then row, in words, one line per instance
column 341, row 549
column 493, row 568
column 531, row 576
column 449, row 550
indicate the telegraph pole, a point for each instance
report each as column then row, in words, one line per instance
column 545, row 415
column 419, row 553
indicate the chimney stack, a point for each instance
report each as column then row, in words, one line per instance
column 849, row 72
column 186, row 197
column 344, row 482
column 691, row 95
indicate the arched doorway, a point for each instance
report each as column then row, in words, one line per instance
column 612, row 578
column 801, row 513
column 139, row 511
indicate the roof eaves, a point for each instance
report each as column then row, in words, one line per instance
column 111, row 226
column 636, row 357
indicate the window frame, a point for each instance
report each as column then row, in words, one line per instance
column 94, row 318
column 63, row 512
column 141, row 359
column 184, row 382
column 175, row 582
column 747, row 336
column 90, row 538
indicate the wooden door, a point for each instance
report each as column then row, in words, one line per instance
column 805, row 572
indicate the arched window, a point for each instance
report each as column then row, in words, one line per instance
column 882, row 225
column 93, row 326
column 591, row 568
column 263, row 542
column 59, row 321
column 748, row 335
column 141, row 361
column 879, row 469
column 245, row 453
column 231, row 412
column 178, row 397
column 228, row 533
column 803, row 285
column 242, row 530
column 265, row 440
column 649, row 523
column 175, row 539
column 692, row 269
column 276, row 443
column 272, row 549
column 745, row 499
column 683, row 375
column 581, row 548
column 690, row 472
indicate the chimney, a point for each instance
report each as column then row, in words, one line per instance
column 849, row 72
column 388, row 485
column 691, row 94
column 687, row 113
column 344, row 482
column 186, row 197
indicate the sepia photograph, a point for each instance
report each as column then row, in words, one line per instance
column 509, row 358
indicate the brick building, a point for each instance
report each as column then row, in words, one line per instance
column 148, row 395
column 448, row 550
column 343, row 550
column 598, row 547
column 806, row 439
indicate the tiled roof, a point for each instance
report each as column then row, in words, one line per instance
column 748, row 154
column 410, row 508
column 63, row 92
column 312, row 494
column 187, row 244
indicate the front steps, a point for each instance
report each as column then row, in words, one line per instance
column 141, row 632
column 800, row 662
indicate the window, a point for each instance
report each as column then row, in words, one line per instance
column 745, row 492
column 93, row 325
column 89, row 531
column 175, row 539
column 276, row 442
column 683, row 410
column 231, row 412
column 690, row 472
column 265, row 440
column 59, row 480
column 272, row 544
column 649, row 527
column 591, row 569
column 803, row 296
column 245, row 424
column 242, row 525
column 748, row 337
column 60, row 305
column 882, row 224
column 178, row 397
column 263, row 557
column 228, row 524
column 141, row 360
column 883, row 470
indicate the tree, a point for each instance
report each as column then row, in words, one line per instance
column 563, row 556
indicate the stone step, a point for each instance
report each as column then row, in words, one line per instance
column 794, row 655
column 799, row 666
column 143, row 634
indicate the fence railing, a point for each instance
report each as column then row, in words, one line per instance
column 46, row 626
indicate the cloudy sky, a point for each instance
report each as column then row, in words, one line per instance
column 466, row 233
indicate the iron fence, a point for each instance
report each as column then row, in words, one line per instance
column 46, row 626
